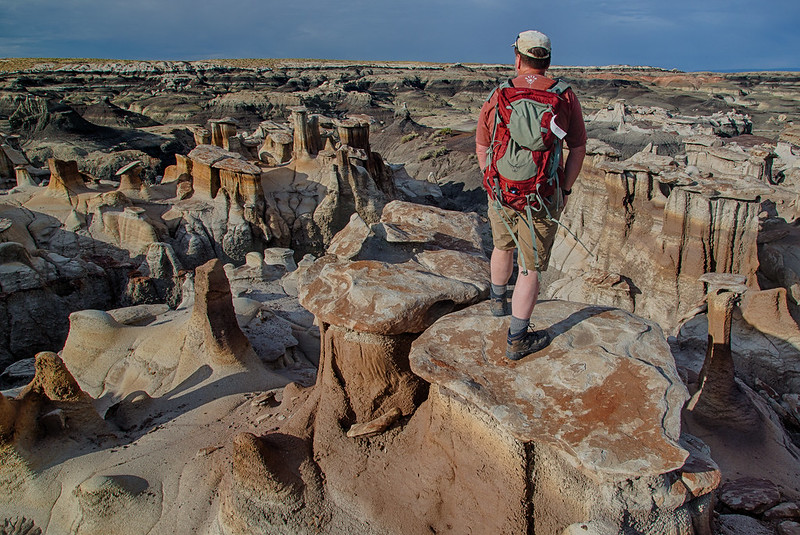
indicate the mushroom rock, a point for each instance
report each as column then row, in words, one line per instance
column 571, row 434
column 280, row 256
column 221, row 132
column 65, row 178
column 24, row 178
column 737, row 423
column 400, row 294
column 371, row 310
column 354, row 137
column 306, row 133
column 354, row 132
column 205, row 178
column 719, row 399
column 180, row 172
column 276, row 149
column 131, row 184
column 240, row 176
column 130, row 176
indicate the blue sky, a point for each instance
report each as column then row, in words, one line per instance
column 685, row 34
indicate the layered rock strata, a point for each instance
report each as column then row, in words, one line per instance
column 651, row 233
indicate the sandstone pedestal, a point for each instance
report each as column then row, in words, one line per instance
column 719, row 398
column 306, row 133
column 205, row 176
column 222, row 130
column 593, row 420
column 586, row 430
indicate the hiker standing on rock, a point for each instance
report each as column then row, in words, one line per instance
column 519, row 141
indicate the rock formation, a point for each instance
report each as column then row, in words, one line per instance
column 107, row 356
column 402, row 426
column 414, row 423
column 660, row 233
column 164, row 376
column 40, row 289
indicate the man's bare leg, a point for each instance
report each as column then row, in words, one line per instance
column 526, row 293
column 501, row 266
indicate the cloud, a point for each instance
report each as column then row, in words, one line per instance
column 687, row 34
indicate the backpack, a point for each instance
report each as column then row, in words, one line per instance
column 525, row 151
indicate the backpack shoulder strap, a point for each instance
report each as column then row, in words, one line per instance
column 504, row 85
column 558, row 87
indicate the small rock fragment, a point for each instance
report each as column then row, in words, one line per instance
column 208, row 451
column 378, row 425
column 789, row 528
column 266, row 399
column 750, row 495
column 783, row 510
column 740, row 524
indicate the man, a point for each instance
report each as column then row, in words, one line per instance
column 532, row 53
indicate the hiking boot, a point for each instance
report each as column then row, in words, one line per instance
column 499, row 304
column 525, row 343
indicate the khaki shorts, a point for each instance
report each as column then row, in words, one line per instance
column 544, row 229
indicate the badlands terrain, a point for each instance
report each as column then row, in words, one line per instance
column 250, row 297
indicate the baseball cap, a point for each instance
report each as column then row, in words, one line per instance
column 530, row 39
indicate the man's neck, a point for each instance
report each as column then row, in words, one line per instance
column 528, row 71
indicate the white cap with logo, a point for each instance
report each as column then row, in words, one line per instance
column 530, row 39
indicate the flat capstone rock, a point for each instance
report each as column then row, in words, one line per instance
column 605, row 391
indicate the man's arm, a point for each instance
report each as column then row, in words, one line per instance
column 480, row 150
column 572, row 167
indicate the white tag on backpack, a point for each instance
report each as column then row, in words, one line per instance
column 554, row 128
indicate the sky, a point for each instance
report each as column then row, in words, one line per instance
column 690, row 35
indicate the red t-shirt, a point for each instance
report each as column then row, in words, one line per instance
column 572, row 124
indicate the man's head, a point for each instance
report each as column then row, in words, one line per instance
column 533, row 50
